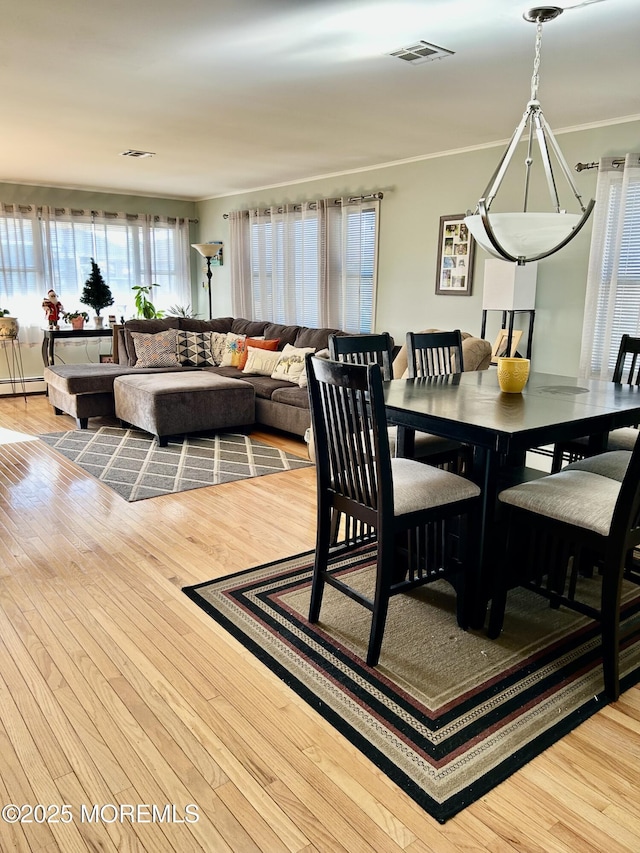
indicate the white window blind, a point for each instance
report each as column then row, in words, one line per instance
column 612, row 306
column 312, row 264
column 46, row 248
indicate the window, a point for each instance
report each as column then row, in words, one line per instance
column 613, row 286
column 43, row 249
column 312, row 264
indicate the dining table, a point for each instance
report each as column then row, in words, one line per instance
column 501, row 427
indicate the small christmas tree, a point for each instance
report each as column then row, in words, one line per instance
column 96, row 293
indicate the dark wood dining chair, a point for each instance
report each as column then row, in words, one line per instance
column 562, row 527
column 375, row 348
column 432, row 354
column 626, row 372
column 425, row 519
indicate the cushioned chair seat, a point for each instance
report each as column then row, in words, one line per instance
column 613, row 464
column 572, row 497
column 417, row 486
column 622, row 439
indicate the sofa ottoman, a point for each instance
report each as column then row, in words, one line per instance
column 166, row 404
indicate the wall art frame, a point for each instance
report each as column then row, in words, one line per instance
column 456, row 251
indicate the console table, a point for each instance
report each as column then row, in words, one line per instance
column 52, row 335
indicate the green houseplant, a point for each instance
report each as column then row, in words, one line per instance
column 76, row 318
column 96, row 293
column 181, row 311
column 146, row 310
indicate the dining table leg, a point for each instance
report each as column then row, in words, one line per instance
column 484, row 472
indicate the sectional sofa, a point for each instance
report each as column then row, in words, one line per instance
column 179, row 375
column 87, row 390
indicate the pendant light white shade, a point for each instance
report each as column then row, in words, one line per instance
column 524, row 234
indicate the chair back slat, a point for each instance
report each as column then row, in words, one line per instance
column 352, row 448
column 364, row 349
column 434, row 353
column 627, row 369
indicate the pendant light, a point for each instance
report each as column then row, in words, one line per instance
column 526, row 236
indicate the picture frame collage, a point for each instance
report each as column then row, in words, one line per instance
column 456, row 249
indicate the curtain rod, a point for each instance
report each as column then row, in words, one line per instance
column 594, row 165
column 28, row 208
column 367, row 197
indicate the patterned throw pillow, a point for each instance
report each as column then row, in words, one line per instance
column 233, row 350
column 261, row 361
column 218, row 344
column 194, row 349
column 157, row 350
column 258, row 343
column 290, row 366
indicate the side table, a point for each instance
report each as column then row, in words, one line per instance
column 52, row 335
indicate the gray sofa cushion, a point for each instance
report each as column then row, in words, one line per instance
column 292, row 395
column 264, row 386
column 218, row 324
column 91, row 378
column 285, row 334
column 316, row 338
column 250, row 328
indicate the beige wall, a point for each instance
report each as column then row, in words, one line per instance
column 416, row 195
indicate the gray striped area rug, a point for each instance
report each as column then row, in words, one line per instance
column 131, row 463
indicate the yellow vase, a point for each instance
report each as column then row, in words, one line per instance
column 513, row 374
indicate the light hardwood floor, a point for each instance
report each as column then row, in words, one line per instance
column 116, row 689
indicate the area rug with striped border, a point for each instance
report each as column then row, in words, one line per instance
column 446, row 714
column 131, row 463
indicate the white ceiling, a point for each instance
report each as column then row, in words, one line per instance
column 234, row 95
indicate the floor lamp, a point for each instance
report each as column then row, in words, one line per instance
column 208, row 251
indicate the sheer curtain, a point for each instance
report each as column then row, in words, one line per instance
column 51, row 248
column 612, row 306
column 312, row 263
column 21, row 266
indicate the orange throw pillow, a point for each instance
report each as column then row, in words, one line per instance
column 258, row 343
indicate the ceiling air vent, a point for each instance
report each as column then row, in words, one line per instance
column 421, row 52
column 131, row 152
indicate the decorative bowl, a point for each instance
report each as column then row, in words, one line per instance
column 513, row 374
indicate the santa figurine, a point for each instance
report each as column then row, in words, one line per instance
column 53, row 308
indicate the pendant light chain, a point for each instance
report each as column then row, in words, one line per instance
column 535, row 79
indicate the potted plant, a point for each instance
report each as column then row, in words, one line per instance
column 97, row 293
column 145, row 308
column 181, row 311
column 76, row 318
column 8, row 325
